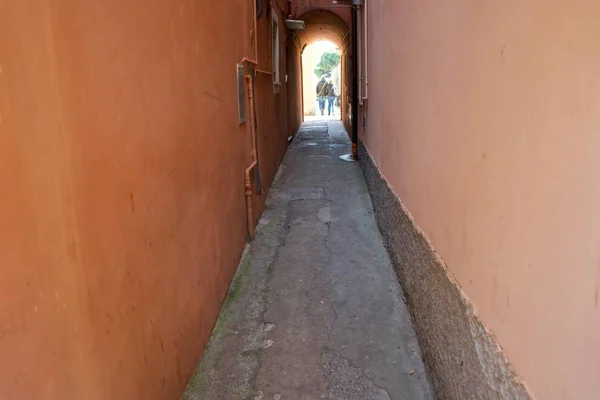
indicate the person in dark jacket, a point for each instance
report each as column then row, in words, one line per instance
column 331, row 95
column 322, row 94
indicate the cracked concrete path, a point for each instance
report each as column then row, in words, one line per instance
column 315, row 310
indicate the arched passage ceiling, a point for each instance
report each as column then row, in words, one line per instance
column 322, row 25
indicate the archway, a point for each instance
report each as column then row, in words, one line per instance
column 327, row 26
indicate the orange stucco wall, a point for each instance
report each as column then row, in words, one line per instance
column 123, row 209
column 484, row 118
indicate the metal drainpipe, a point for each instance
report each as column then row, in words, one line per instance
column 354, row 83
column 359, row 56
column 366, row 49
column 247, row 181
column 255, row 40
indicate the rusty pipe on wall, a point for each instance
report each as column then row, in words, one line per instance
column 248, row 185
column 255, row 40
column 255, row 33
column 249, row 78
column 248, row 60
column 247, row 180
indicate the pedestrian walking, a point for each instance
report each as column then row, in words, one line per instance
column 331, row 95
column 322, row 94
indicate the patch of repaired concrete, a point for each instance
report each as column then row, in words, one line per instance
column 349, row 382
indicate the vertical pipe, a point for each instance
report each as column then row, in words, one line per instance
column 366, row 52
column 247, row 180
column 249, row 79
column 255, row 33
column 359, row 56
column 301, row 84
column 354, row 83
column 271, row 11
column 248, row 191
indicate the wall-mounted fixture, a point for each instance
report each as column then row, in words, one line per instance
column 348, row 2
column 295, row 24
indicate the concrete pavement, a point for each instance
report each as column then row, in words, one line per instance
column 315, row 310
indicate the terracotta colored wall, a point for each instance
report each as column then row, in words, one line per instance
column 484, row 119
column 123, row 211
column 272, row 118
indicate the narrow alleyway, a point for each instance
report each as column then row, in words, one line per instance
column 315, row 310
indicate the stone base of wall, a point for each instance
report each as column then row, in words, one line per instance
column 463, row 359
